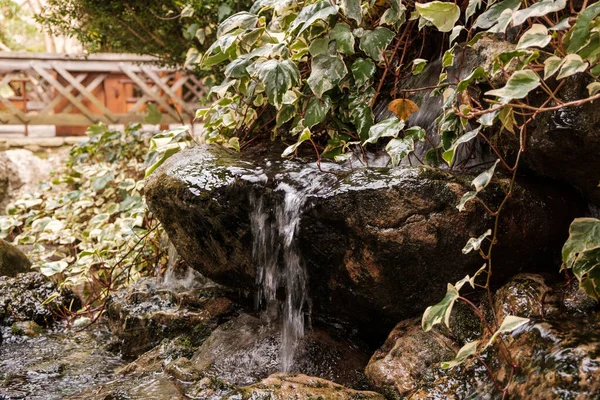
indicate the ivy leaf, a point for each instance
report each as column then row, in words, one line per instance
column 187, row 12
column 386, row 128
column 538, row 9
column 581, row 31
column 551, row 66
column 472, row 7
column 304, row 136
column 374, row 42
column 507, row 118
column 448, row 155
column 465, row 352
column 399, row 148
column 286, row 113
column 518, row 86
column 242, row 20
column 327, row 71
column 448, row 58
column 320, row 11
column 344, row 39
column 465, row 199
column 454, row 34
column 237, row 68
column 492, row 15
column 572, row 64
column 584, row 235
column 484, row 178
column 418, row 64
column 395, row 15
column 509, row 324
column 415, row 132
column 319, row 46
column 440, row 312
column 278, row 77
column 442, row 15
column 474, row 75
column 351, row 9
column 363, row 71
column 536, row 36
column 403, row 108
column 593, row 88
column 475, row 243
column 316, row 111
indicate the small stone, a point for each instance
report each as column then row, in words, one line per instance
column 27, row 328
column 522, row 296
column 12, row 260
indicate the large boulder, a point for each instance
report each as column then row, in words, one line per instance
column 379, row 245
column 12, row 260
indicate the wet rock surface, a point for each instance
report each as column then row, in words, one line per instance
column 12, row 260
column 246, row 350
column 300, row 387
column 54, row 365
column 21, row 299
column 377, row 243
column 150, row 311
column 557, row 356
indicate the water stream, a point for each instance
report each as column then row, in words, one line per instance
column 275, row 221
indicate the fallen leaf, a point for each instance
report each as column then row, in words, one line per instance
column 403, row 108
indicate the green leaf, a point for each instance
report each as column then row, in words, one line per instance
column 278, row 77
column 309, row 15
column 374, row 42
column 187, row 12
column 465, row 352
column 363, row 71
column 595, row 71
column 477, row 73
column 442, row 15
column 344, row 39
column 286, row 113
column 551, row 66
column 304, row 136
column 448, row 58
column 399, row 148
column 53, row 268
column 484, row 179
column 472, row 7
column 237, row 68
column 319, row 46
column 492, row 15
column 390, row 127
column 572, row 64
column 538, row 9
column 153, row 114
column 440, row 312
column 351, row 9
column 416, row 133
column 363, row 120
column 509, row 324
column 518, row 86
column 326, row 72
column 593, row 88
column 168, row 151
column 475, row 243
column 465, row 199
column 584, row 235
column 242, row 20
column 419, row 65
column 536, row 36
column 316, row 111
column 581, row 31
column 454, row 34
column 395, row 15
column 448, row 155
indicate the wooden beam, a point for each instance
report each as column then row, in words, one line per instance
column 168, row 90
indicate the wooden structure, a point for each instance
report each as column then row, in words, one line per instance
column 73, row 92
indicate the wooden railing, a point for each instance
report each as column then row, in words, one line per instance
column 72, row 92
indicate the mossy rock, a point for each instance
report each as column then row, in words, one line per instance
column 12, row 260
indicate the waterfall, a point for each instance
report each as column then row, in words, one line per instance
column 279, row 265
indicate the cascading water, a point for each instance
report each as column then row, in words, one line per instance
column 279, row 262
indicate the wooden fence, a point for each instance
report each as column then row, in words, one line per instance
column 72, row 92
